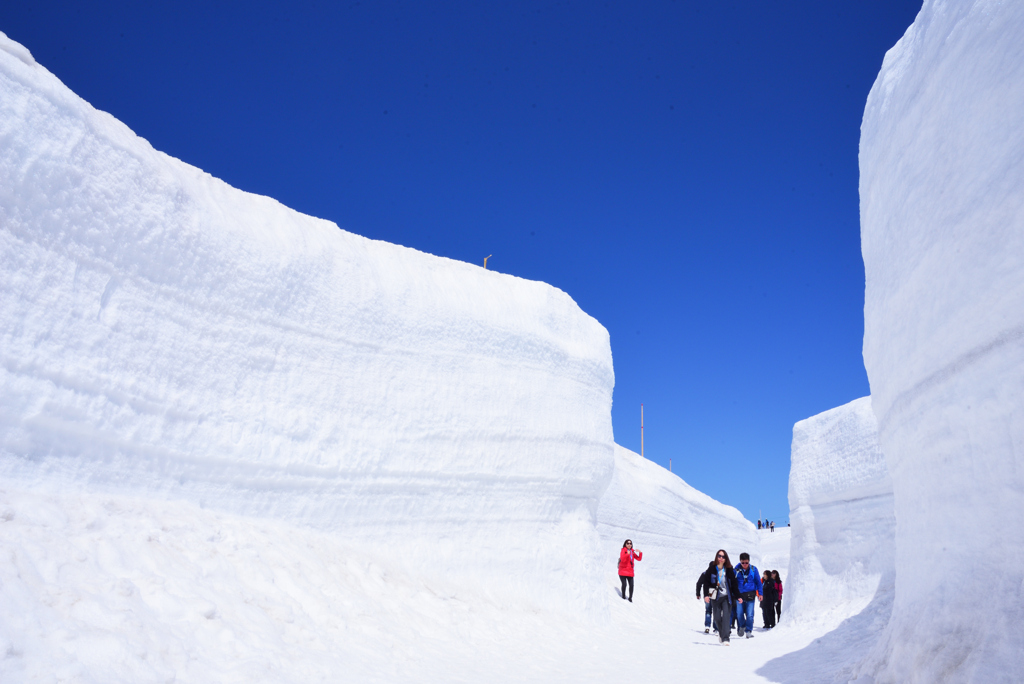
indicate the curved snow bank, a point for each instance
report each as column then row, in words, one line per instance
column 841, row 510
column 162, row 333
column 677, row 527
column 942, row 209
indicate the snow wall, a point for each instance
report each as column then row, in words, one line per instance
column 677, row 527
column 942, row 228
column 842, row 554
column 841, row 510
column 167, row 336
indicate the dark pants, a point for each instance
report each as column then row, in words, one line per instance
column 722, row 609
column 626, row 580
column 778, row 610
column 768, row 613
column 707, row 615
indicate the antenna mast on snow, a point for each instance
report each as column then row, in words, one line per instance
column 486, row 258
column 641, row 429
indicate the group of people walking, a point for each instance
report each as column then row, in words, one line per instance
column 728, row 592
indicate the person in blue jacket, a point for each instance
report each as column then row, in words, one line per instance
column 748, row 585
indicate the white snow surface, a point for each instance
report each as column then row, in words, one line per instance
column 842, row 567
column 106, row 588
column 165, row 335
column 677, row 527
column 942, row 227
column 240, row 444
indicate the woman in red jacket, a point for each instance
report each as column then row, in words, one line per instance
column 626, row 558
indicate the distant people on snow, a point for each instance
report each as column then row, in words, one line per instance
column 773, row 525
column 719, row 588
column 770, row 596
column 748, row 584
column 758, row 523
column 626, row 558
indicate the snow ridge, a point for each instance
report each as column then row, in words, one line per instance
column 165, row 335
column 677, row 527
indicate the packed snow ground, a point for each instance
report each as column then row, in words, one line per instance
column 100, row 588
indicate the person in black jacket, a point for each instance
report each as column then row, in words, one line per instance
column 707, row 606
column 768, row 600
column 719, row 589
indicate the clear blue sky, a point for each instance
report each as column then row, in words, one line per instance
column 686, row 171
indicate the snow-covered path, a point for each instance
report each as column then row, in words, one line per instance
column 775, row 550
column 108, row 588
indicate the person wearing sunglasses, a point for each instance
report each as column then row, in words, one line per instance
column 626, row 558
column 719, row 589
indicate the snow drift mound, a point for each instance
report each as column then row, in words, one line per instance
column 677, row 527
column 841, row 511
column 165, row 335
column 942, row 211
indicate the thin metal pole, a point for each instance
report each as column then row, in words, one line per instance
column 641, row 429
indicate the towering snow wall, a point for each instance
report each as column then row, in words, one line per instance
column 164, row 334
column 841, row 509
column 677, row 527
column 942, row 212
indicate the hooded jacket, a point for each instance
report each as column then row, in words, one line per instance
column 771, row 594
column 626, row 557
